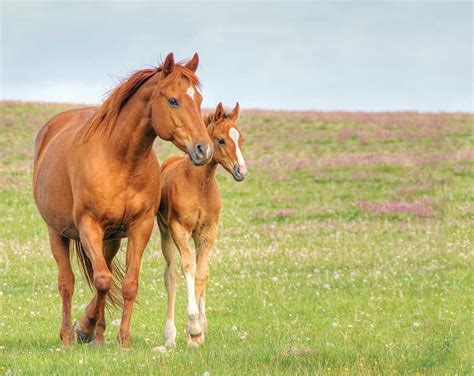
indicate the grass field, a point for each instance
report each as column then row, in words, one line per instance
column 348, row 250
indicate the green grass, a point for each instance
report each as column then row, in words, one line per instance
column 348, row 250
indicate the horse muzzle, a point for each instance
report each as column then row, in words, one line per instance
column 239, row 172
column 200, row 153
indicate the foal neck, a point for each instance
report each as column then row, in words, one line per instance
column 205, row 174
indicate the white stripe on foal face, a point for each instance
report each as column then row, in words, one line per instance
column 191, row 92
column 234, row 135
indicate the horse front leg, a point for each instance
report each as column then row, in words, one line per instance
column 91, row 235
column 60, row 249
column 138, row 237
column 181, row 238
column 110, row 250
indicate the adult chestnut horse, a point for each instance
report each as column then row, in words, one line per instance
column 190, row 208
column 97, row 180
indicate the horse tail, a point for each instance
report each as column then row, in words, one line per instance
column 114, row 296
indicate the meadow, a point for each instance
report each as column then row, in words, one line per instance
column 347, row 250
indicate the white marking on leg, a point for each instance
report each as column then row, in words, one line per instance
column 193, row 312
column 234, row 135
column 202, row 313
column 170, row 333
column 192, row 305
column 202, row 306
column 191, row 92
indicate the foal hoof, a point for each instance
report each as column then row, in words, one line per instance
column 81, row 336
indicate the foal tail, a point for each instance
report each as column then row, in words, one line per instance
column 114, row 296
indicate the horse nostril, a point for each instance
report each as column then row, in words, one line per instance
column 242, row 170
column 200, row 150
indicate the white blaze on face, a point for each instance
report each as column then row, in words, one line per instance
column 191, row 92
column 234, row 135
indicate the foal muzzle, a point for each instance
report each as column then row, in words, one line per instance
column 239, row 172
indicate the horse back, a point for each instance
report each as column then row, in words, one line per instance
column 59, row 123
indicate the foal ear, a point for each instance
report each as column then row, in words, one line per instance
column 168, row 65
column 234, row 115
column 219, row 112
column 193, row 63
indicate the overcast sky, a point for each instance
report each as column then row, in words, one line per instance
column 323, row 56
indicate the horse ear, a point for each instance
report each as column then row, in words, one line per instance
column 168, row 65
column 219, row 112
column 235, row 112
column 193, row 63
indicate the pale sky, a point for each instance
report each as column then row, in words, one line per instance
column 370, row 56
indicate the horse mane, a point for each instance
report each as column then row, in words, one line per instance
column 107, row 114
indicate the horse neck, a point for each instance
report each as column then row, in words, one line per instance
column 131, row 139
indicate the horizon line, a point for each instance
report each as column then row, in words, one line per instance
column 255, row 109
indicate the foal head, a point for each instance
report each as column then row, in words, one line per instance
column 176, row 109
column 227, row 140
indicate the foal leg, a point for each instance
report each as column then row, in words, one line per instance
column 138, row 237
column 60, row 250
column 91, row 234
column 204, row 242
column 188, row 264
column 171, row 282
column 110, row 250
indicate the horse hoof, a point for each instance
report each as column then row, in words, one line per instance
column 81, row 336
column 66, row 339
column 194, row 329
column 96, row 344
column 195, row 340
column 124, row 343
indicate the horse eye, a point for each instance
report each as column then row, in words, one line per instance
column 173, row 102
column 221, row 141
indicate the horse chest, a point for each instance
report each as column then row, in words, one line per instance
column 123, row 206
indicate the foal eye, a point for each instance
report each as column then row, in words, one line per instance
column 221, row 141
column 173, row 102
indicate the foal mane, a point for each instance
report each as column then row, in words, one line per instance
column 107, row 114
column 209, row 118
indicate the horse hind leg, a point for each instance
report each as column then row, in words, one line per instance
column 60, row 249
column 171, row 283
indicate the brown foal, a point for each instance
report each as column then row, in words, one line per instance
column 97, row 180
column 190, row 207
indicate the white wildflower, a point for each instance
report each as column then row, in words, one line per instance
column 160, row 349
